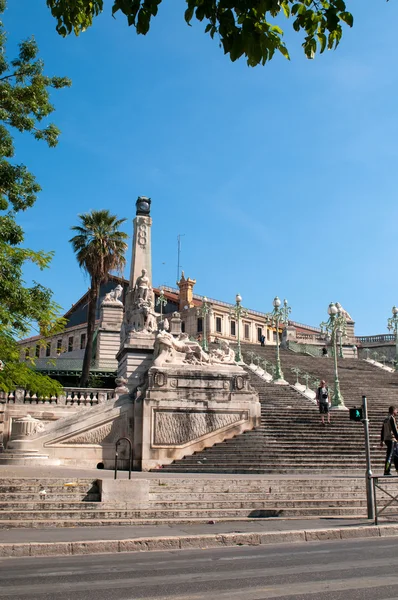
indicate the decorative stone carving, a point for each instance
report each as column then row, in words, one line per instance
column 175, row 324
column 142, row 286
column 239, row 382
column 142, row 233
column 26, row 427
column 107, row 433
column 343, row 312
column 140, row 314
column 169, row 350
column 180, row 427
column 223, row 355
column 121, row 387
column 113, row 297
column 160, row 379
column 176, row 351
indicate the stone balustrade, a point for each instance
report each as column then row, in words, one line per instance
column 68, row 397
column 313, row 338
column 375, row 339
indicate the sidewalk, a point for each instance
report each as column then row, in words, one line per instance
column 95, row 540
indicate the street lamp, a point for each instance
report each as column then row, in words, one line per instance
column 336, row 324
column 162, row 302
column 392, row 324
column 238, row 312
column 203, row 311
column 277, row 316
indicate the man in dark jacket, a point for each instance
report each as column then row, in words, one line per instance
column 389, row 436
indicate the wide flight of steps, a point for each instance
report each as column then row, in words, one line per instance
column 179, row 500
column 290, row 438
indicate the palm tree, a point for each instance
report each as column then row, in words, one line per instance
column 99, row 246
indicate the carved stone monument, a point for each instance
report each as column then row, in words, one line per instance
column 172, row 398
column 191, row 399
column 139, row 326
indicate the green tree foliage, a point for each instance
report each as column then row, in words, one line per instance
column 24, row 105
column 99, row 246
column 247, row 28
column 20, row 375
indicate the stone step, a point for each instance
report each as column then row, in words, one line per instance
column 34, row 524
column 254, row 504
column 309, row 488
column 255, row 497
column 260, row 492
column 204, row 505
column 287, row 466
column 306, row 489
column 36, row 482
column 48, row 505
column 275, row 447
column 30, row 496
column 277, row 470
column 177, row 513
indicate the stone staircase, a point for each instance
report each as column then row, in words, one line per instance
column 291, row 438
column 76, row 503
column 294, row 467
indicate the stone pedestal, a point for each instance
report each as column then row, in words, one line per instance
column 288, row 334
column 21, row 449
column 350, row 332
column 187, row 408
column 175, row 324
column 108, row 340
column 134, row 359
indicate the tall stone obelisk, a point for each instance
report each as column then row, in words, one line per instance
column 142, row 253
column 137, row 335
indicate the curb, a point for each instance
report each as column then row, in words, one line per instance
column 192, row 541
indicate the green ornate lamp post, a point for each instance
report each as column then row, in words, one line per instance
column 238, row 312
column 392, row 325
column 161, row 301
column 280, row 314
column 203, row 311
column 334, row 325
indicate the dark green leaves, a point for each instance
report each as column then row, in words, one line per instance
column 243, row 27
column 24, row 104
column 74, row 15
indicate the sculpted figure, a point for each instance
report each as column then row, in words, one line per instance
column 343, row 312
column 142, row 286
column 223, row 355
column 182, row 350
column 114, row 295
column 194, row 352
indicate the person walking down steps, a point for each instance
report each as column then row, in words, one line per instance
column 323, row 400
column 389, row 437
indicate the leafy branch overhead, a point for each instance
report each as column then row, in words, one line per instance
column 24, row 105
column 249, row 28
column 24, row 108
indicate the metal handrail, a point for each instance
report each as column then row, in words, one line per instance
column 376, row 485
column 130, row 455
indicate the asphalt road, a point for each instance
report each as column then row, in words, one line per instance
column 341, row 570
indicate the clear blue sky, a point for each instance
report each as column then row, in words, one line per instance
column 283, row 179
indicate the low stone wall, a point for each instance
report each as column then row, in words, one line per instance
column 21, row 403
